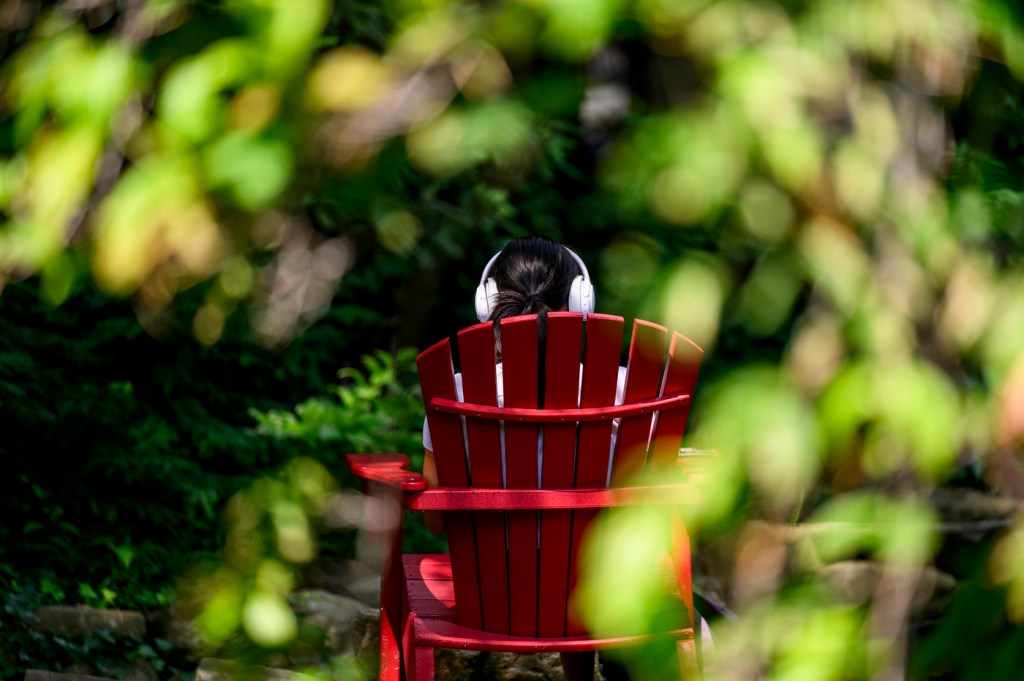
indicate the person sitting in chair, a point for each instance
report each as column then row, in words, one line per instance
column 530, row 275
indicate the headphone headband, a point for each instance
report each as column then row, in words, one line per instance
column 494, row 258
column 488, row 266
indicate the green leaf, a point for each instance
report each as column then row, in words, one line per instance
column 125, row 554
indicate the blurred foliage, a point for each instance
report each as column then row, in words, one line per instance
column 379, row 410
column 269, row 532
column 376, row 408
column 277, row 525
column 825, row 195
column 107, row 430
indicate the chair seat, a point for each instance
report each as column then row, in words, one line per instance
column 431, row 600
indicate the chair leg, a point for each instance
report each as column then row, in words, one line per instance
column 418, row 661
column 686, row 650
column 578, row 666
column 423, row 661
column 390, row 654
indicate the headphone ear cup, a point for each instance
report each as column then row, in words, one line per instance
column 581, row 295
column 576, row 294
column 587, row 305
column 486, row 297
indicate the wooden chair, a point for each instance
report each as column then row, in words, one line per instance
column 514, row 537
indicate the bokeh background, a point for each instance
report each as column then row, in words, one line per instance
column 226, row 227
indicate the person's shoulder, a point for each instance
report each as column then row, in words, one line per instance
column 620, row 386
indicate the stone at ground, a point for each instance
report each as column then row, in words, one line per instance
column 855, row 581
column 45, row 675
column 743, row 565
column 349, row 626
column 366, row 590
column 180, row 632
column 347, row 577
column 366, row 640
column 961, row 505
column 514, row 667
column 458, row 665
column 472, row 665
column 80, row 619
column 211, row 669
column 136, row 670
column 970, row 519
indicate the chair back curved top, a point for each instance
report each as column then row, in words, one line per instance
column 556, row 427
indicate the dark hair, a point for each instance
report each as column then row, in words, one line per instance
column 533, row 275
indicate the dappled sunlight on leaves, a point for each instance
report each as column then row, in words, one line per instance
column 348, row 79
column 459, row 139
column 181, row 242
column 1007, row 567
column 268, row 620
column 901, row 532
column 621, row 555
column 693, row 297
column 797, row 636
column 270, row 532
column 905, row 413
column 757, row 417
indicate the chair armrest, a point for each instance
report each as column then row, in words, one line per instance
column 387, row 469
column 457, row 499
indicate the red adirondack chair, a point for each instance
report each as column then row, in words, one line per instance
column 514, row 536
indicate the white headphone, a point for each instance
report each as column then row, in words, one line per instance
column 581, row 292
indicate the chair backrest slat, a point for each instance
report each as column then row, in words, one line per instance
column 600, row 376
column 643, row 382
column 561, row 391
column 562, row 369
column 437, row 379
column 479, row 385
column 600, row 373
column 682, row 367
column 519, row 357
